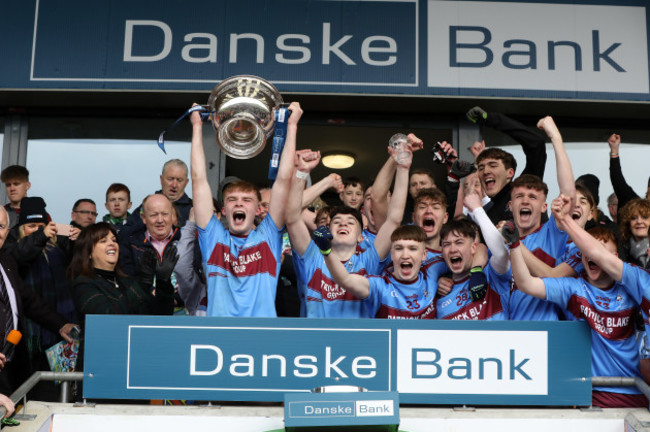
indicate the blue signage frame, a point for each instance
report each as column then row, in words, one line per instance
column 362, row 47
column 261, row 359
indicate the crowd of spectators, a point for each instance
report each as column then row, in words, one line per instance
column 485, row 245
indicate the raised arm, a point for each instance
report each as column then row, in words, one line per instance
column 306, row 160
column 317, row 189
column 356, row 284
column 201, row 192
column 397, row 202
column 500, row 259
column 565, row 178
column 623, row 191
column 588, row 245
column 525, row 282
column 379, row 191
column 282, row 184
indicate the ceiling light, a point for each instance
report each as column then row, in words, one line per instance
column 338, row 160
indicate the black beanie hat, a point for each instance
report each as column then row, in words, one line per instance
column 592, row 183
column 32, row 210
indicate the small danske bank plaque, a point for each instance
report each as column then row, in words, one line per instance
column 376, row 411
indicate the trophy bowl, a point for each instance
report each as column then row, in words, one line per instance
column 243, row 114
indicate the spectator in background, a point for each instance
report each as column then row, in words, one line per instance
column 420, row 179
column 118, row 203
column 173, row 181
column 98, row 287
column 16, row 303
column 84, row 213
column 43, row 258
column 352, row 194
column 635, row 223
column 16, row 181
column 612, row 206
column 592, row 183
column 156, row 234
column 323, row 216
column 496, row 168
column 623, row 191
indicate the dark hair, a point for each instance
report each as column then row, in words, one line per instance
column 498, row 154
column 118, row 187
column 530, row 181
column 82, row 200
column 423, row 171
column 408, row 232
column 14, row 172
column 584, row 190
column 81, row 264
column 347, row 211
column 433, row 194
column 462, row 227
column 353, row 181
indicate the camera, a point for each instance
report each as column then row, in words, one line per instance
column 439, row 155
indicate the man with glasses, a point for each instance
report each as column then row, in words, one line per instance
column 84, row 213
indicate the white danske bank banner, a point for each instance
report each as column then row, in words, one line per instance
column 537, row 46
column 459, row 362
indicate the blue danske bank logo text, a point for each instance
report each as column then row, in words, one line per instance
column 259, row 359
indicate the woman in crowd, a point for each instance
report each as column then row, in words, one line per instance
column 634, row 221
column 98, row 287
column 42, row 257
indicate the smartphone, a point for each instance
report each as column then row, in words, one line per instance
column 63, row 229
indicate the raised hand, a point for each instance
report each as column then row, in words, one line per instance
column 561, row 207
column 296, row 113
column 336, row 181
column 614, row 142
column 548, row 125
column 477, row 148
column 449, row 151
column 414, row 142
column 308, row 160
column 472, row 201
column 510, row 233
column 322, row 236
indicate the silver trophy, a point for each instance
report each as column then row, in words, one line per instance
column 243, row 114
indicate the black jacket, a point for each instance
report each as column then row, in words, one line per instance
column 134, row 222
column 133, row 246
column 29, row 305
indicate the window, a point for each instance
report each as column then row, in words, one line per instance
column 64, row 170
column 593, row 158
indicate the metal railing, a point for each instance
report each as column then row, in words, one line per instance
column 67, row 377
column 64, row 377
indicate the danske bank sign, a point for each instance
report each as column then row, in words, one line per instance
column 262, row 359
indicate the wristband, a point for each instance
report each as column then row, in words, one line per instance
column 302, row 175
column 613, row 154
column 327, row 252
column 515, row 245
